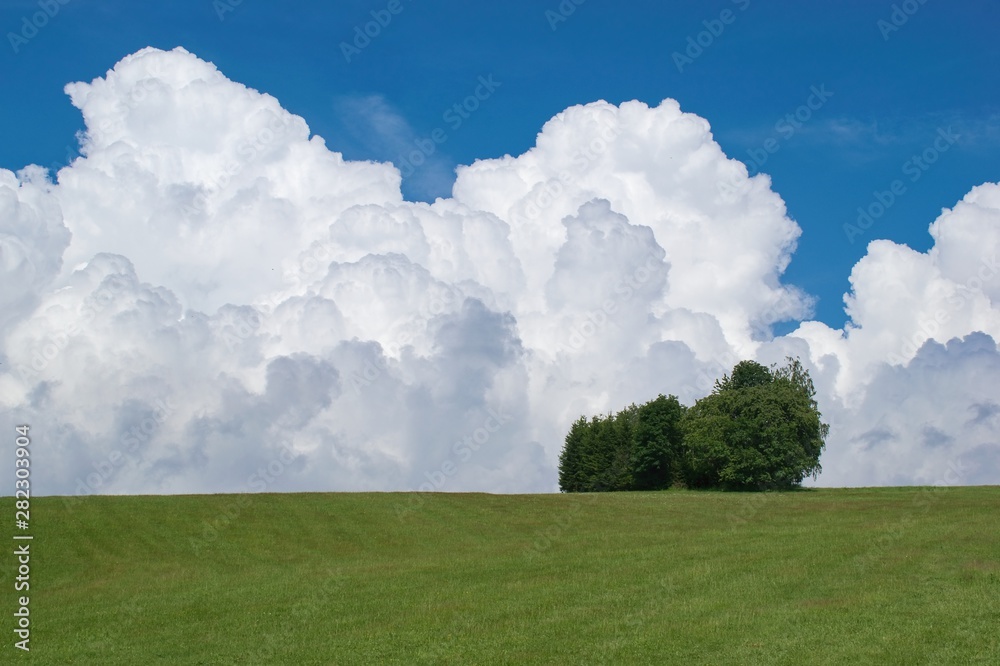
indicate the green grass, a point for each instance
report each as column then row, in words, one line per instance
column 872, row 576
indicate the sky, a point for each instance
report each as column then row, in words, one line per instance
column 404, row 244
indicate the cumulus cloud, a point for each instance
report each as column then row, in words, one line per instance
column 210, row 299
column 912, row 377
column 32, row 240
column 932, row 421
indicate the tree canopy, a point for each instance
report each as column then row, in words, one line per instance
column 760, row 428
column 635, row 449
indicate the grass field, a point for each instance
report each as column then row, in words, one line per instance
column 874, row 576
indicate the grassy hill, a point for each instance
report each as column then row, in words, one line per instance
column 873, row 576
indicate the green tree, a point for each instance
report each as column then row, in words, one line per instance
column 596, row 456
column 745, row 375
column 607, row 452
column 658, row 444
column 812, row 432
column 751, row 434
column 622, row 435
column 595, row 467
column 571, row 477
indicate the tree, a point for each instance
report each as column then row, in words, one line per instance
column 659, row 442
column 570, row 460
column 752, row 433
column 745, row 375
column 812, row 432
column 706, row 450
column 639, row 448
column 759, row 429
column 607, row 452
column 622, row 435
column 598, row 454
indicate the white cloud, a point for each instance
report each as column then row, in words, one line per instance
column 32, row 240
column 210, row 293
column 901, row 298
column 206, row 185
column 918, row 359
column 930, row 422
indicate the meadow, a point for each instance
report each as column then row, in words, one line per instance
column 829, row 576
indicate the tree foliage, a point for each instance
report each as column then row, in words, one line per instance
column 746, row 374
column 759, row 429
column 634, row 449
column 658, row 444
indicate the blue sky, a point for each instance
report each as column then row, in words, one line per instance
column 892, row 89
